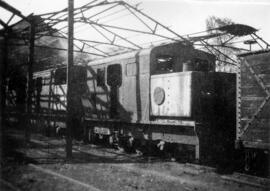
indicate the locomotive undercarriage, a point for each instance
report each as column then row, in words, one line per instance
column 252, row 160
column 147, row 139
column 185, row 143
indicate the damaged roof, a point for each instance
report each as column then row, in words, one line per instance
column 238, row 29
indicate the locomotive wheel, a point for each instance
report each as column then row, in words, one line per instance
column 110, row 140
column 248, row 162
column 90, row 135
column 129, row 145
column 130, row 142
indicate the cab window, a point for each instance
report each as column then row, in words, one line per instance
column 131, row 69
column 114, row 75
column 60, row 76
column 164, row 64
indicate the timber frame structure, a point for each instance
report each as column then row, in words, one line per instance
column 111, row 37
column 253, row 100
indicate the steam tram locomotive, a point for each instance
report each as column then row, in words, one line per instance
column 168, row 94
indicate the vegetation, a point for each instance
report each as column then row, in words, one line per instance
column 221, row 43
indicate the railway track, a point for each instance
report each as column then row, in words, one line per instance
column 6, row 185
column 245, row 179
column 183, row 174
column 50, row 172
column 189, row 168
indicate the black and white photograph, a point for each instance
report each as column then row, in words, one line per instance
column 134, row 95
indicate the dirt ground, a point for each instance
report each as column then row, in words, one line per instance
column 41, row 165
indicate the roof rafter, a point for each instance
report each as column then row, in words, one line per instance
column 93, row 12
column 102, row 35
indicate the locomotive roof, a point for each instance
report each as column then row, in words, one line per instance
column 113, row 58
column 132, row 54
column 120, row 56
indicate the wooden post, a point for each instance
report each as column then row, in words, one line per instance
column 3, row 69
column 238, row 101
column 69, row 115
column 30, row 79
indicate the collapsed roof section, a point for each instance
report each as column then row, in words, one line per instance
column 231, row 37
column 104, row 28
column 14, row 12
column 238, row 29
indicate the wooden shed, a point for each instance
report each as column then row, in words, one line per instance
column 253, row 100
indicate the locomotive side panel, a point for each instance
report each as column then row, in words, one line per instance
column 176, row 95
column 214, row 112
column 106, row 101
column 103, row 99
column 128, row 95
column 135, row 92
column 96, row 98
column 126, row 101
column 254, row 127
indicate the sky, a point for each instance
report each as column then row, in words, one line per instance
column 182, row 16
column 188, row 16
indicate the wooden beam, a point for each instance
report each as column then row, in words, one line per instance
column 30, row 79
column 3, row 23
column 3, row 83
column 69, row 121
column 11, row 9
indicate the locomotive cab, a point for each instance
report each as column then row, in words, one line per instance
column 174, row 80
column 186, row 90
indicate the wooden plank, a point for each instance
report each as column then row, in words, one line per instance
column 258, row 58
column 254, row 101
column 248, row 79
column 251, row 77
column 249, row 107
column 244, row 182
column 265, row 78
column 252, row 98
column 264, row 123
column 258, row 145
column 258, row 141
column 254, row 91
column 262, row 68
column 259, row 180
column 253, row 86
column 255, row 109
column 257, row 132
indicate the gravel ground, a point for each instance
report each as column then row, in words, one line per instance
column 41, row 165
